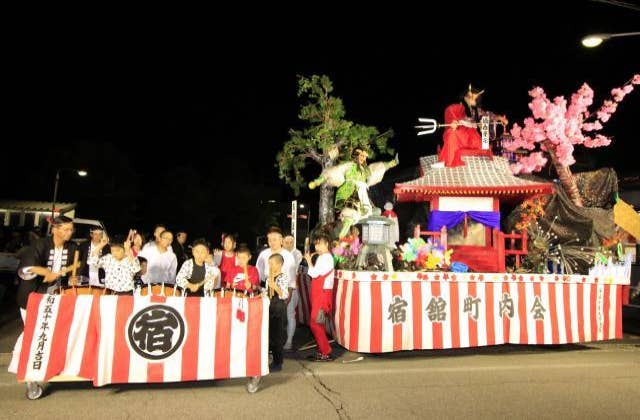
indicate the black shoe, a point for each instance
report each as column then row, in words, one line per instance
column 275, row 368
column 319, row 357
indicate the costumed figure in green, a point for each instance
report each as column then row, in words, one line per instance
column 353, row 180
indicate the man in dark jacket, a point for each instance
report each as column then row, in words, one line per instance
column 92, row 275
column 45, row 265
column 179, row 247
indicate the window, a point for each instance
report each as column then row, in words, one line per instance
column 14, row 219
column 29, row 220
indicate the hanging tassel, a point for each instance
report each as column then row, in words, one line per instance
column 240, row 312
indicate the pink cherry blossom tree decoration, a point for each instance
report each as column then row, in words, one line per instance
column 556, row 126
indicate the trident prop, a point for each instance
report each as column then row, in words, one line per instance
column 431, row 125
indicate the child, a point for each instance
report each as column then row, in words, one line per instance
column 321, row 273
column 196, row 275
column 243, row 276
column 137, row 279
column 226, row 259
column 278, row 291
column 120, row 266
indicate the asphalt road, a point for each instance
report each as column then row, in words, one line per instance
column 601, row 380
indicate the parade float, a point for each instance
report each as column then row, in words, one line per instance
column 460, row 294
column 461, row 281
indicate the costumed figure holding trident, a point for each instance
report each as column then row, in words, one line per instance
column 462, row 121
column 353, row 179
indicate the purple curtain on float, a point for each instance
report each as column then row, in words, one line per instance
column 438, row 218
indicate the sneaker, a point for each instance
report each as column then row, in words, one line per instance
column 319, row 357
column 253, row 384
column 275, row 368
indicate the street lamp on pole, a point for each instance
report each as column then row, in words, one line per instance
column 80, row 172
column 591, row 41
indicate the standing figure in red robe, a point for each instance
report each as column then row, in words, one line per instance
column 463, row 132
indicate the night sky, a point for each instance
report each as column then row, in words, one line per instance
column 105, row 97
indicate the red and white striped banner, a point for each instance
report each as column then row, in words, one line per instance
column 387, row 316
column 59, row 337
column 126, row 339
column 216, row 342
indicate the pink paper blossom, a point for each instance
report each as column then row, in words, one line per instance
column 603, row 116
column 572, row 128
column 609, row 107
column 539, row 107
column 592, row 126
column 532, row 163
column 516, row 130
column 537, row 92
column 556, row 126
column 605, row 111
column 516, row 168
column 598, row 141
column 618, row 94
column 580, row 101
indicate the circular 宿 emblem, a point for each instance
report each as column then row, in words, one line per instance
column 156, row 332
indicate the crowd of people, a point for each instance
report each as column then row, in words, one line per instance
column 126, row 264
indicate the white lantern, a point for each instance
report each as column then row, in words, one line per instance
column 375, row 254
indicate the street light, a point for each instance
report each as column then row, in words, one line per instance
column 591, row 41
column 80, row 172
column 299, row 215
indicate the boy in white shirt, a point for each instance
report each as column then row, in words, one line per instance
column 278, row 291
column 120, row 266
column 161, row 261
column 197, row 275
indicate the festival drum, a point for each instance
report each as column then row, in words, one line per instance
column 229, row 292
column 113, row 292
column 82, row 290
column 160, row 289
column 188, row 293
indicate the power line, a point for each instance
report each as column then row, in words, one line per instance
column 624, row 4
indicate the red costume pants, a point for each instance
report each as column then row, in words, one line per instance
column 320, row 298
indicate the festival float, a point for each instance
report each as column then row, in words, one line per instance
column 461, row 281
column 555, row 277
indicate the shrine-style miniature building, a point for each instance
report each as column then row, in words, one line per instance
column 465, row 207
